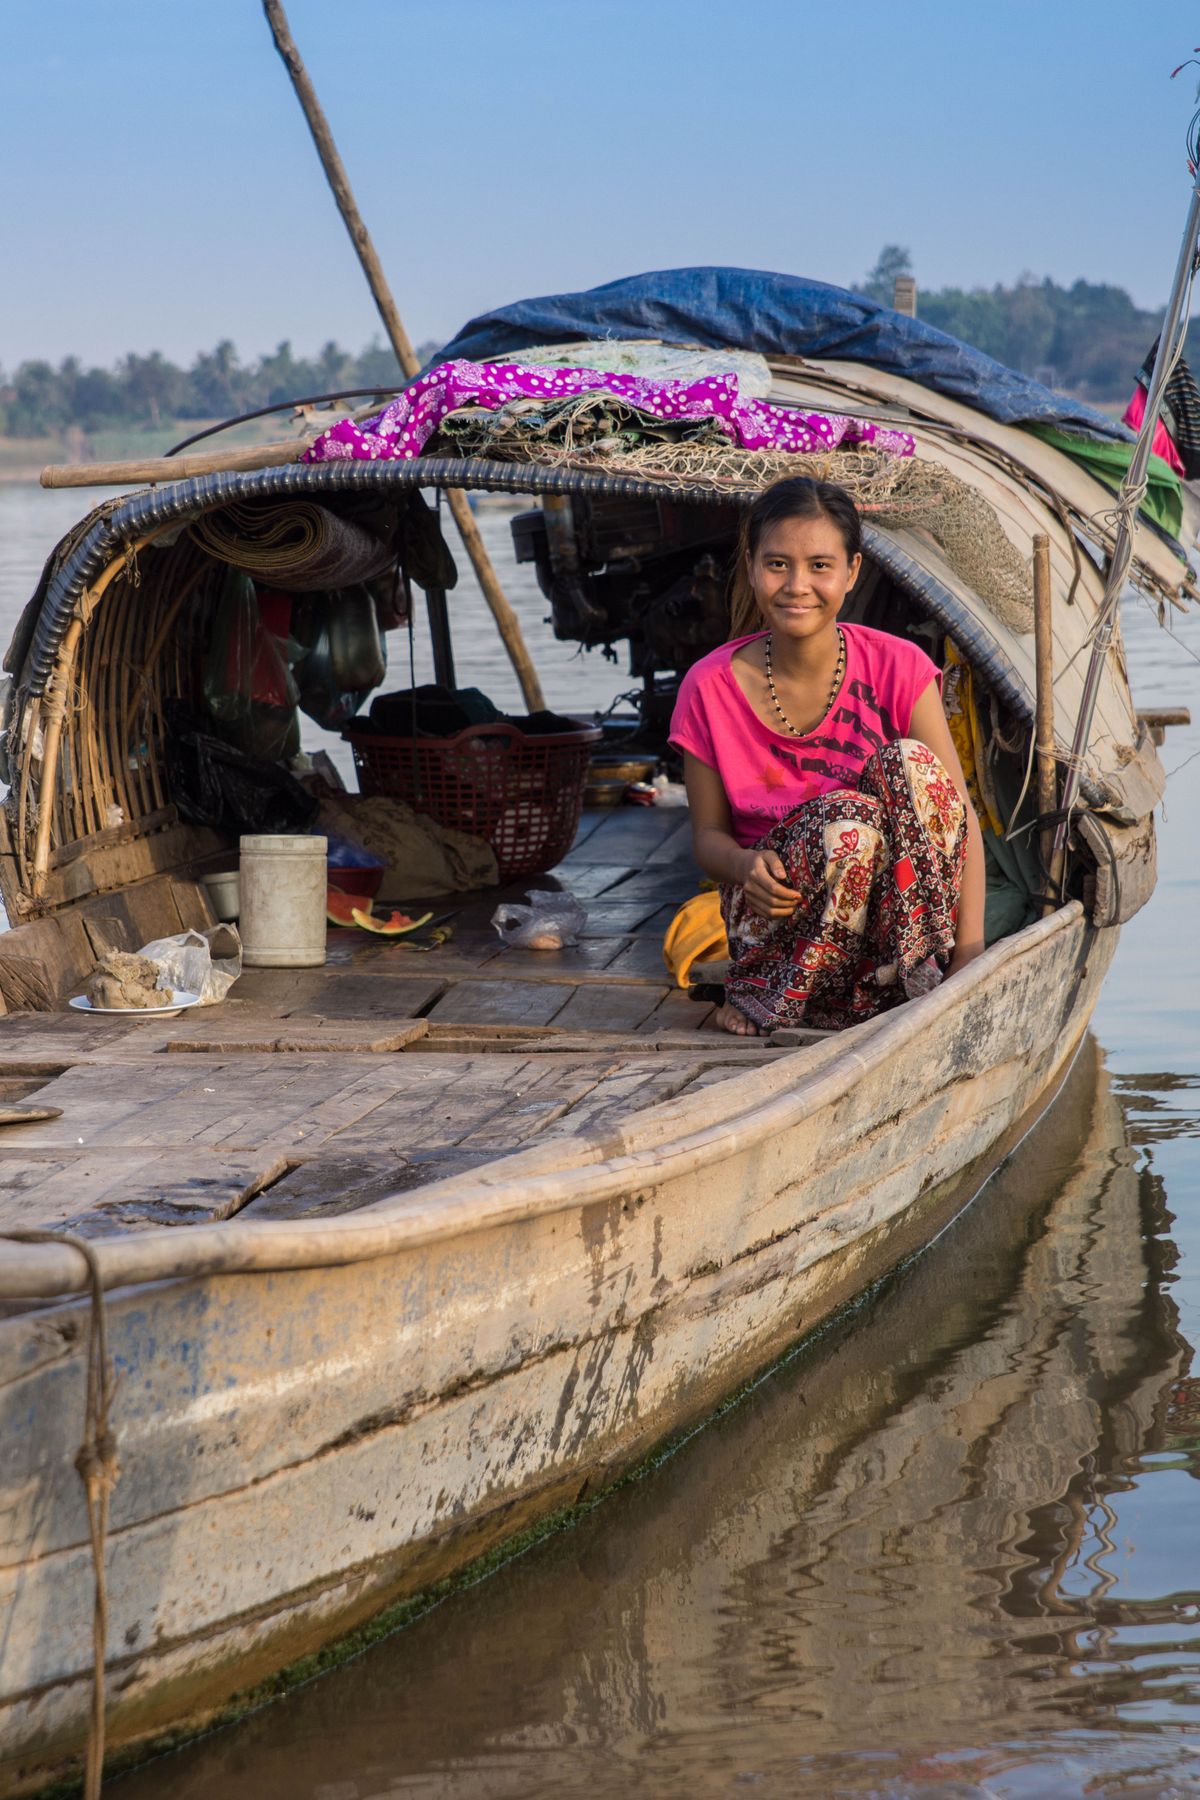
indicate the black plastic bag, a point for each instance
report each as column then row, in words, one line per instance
column 423, row 549
column 430, row 711
column 214, row 783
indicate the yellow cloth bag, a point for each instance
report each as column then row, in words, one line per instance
column 962, row 716
column 695, row 934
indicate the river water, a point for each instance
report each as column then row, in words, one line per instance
column 951, row 1551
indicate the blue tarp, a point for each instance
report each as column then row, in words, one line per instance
column 752, row 309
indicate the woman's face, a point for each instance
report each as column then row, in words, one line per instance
column 800, row 575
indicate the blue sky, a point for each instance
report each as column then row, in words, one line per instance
column 161, row 191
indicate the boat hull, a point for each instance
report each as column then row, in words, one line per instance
column 304, row 1447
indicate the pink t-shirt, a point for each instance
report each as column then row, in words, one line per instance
column 767, row 773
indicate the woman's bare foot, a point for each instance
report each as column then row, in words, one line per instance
column 730, row 1019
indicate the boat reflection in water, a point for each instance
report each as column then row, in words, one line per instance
column 898, row 1568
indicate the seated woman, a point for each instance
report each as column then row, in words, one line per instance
column 825, row 792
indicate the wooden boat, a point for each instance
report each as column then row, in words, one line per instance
column 402, row 1261
column 970, row 1454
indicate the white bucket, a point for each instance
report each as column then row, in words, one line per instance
column 282, row 892
column 223, row 893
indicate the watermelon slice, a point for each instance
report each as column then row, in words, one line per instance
column 339, row 907
column 394, row 925
column 344, row 909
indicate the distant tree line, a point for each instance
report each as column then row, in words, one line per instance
column 38, row 399
column 1088, row 339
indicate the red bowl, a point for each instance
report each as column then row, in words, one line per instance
column 362, row 883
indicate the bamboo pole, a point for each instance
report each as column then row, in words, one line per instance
column 1043, row 645
column 506, row 619
column 174, row 468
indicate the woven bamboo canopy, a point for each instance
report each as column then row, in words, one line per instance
column 123, row 616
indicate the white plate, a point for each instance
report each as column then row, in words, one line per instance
column 181, row 1002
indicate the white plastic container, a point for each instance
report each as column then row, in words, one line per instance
column 223, row 893
column 281, row 888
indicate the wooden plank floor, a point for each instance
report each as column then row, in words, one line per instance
column 315, row 1091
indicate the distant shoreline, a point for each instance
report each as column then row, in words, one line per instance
column 23, row 459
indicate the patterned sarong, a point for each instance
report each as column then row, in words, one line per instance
column 880, row 867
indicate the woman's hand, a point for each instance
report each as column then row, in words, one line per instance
column 765, row 882
column 720, row 855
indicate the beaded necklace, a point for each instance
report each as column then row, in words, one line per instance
column 834, row 685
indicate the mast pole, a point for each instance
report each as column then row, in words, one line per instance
column 506, row 619
column 1043, row 643
column 1129, row 500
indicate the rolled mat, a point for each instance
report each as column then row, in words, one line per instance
column 298, row 546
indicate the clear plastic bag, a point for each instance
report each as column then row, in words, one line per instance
column 549, row 922
column 924, row 978
column 347, row 659
column 670, row 793
column 205, row 963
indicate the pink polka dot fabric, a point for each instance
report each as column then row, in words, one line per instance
column 402, row 430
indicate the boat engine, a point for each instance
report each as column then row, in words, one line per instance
column 649, row 571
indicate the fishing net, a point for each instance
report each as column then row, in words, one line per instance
column 597, row 431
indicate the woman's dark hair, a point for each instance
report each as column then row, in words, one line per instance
column 795, row 497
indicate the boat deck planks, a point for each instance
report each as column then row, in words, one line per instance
column 666, row 884
column 627, row 834
column 126, row 1189
column 314, row 1091
column 339, row 1184
column 218, row 1038
column 676, row 847
column 385, row 992
column 590, row 956
column 677, row 1011
column 589, row 880
column 620, row 918
column 641, row 957
column 630, row 1088
column 501, row 1003
column 595, row 1008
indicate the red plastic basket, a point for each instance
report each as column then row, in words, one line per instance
column 523, row 794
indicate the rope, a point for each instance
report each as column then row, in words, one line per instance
column 99, row 1470
column 418, row 761
column 1047, row 819
column 1029, row 761
column 133, row 572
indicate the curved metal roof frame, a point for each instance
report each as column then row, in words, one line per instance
column 123, row 522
